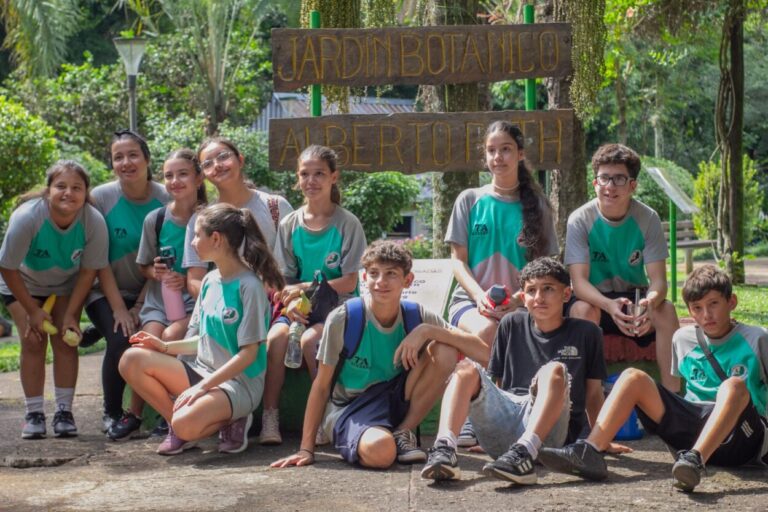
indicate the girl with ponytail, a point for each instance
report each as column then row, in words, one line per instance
column 319, row 239
column 223, row 385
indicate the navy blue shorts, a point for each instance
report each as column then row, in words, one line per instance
column 683, row 421
column 381, row 405
column 282, row 319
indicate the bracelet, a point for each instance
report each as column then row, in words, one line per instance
column 310, row 452
column 165, row 344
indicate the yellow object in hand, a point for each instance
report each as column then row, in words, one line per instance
column 71, row 338
column 304, row 306
column 48, row 307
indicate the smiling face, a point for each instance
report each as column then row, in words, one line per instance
column 386, row 281
column 713, row 313
column 128, row 162
column 502, row 157
column 181, row 180
column 544, row 298
column 614, row 198
column 67, row 193
column 315, row 178
column 221, row 166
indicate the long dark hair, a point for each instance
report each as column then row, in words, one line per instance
column 59, row 167
column 328, row 156
column 138, row 139
column 188, row 154
column 239, row 227
column 532, row 198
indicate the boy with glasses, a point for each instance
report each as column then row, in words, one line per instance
column 615, row 246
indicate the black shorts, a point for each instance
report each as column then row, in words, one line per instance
column 10, row 299
column 381, row 405
column 192, row 375
column 683, row 421
column 610, row 327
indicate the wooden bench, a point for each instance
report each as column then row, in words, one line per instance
column 686, row 240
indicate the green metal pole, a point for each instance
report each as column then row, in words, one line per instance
column 530, row 83
column 316, row 95
column 673, row 248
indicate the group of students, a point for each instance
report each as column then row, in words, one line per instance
column 520, row 376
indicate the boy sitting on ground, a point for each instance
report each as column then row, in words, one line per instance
column 543, row 382
column 376, row 397
column 720, row 420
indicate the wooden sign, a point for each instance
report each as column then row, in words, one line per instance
column 419, row 55
column 420, row 142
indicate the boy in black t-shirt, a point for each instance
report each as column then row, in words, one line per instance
column 544, row 379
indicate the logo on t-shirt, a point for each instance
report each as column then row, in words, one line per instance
column 739, row 370
column 120, row 233
column 230, row 315
column 568, row 352
column 332, row 260
column 41, row 253
column 698, row 375
column 76, row 255
column 360, row 362
column 599, row 257
column 635, row 258
column 480, row 229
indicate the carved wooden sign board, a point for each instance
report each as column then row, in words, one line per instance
column 420, row 142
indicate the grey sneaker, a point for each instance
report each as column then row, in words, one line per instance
column 408, row 451
column 578, row 459
column 34, row 426
column 442, row 463
column 467, row 437
column 64, row 424
column 234, row 437
column 515, row 465
column 687, row 470
column 270, row 427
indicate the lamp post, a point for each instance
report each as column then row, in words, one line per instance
column 131, row 50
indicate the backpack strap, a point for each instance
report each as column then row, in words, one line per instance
column 710, row 356
column 159, row 220
column 411, row 315
column 354, row 324
column 274, row 210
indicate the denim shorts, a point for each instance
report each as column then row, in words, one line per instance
column 500, row 417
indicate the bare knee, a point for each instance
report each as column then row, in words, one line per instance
column 733, row 390
column 586, row 311
column 132, row 361
column 277, row 342
column 377, row 449
column 634, row 379
column 185, row 427
column 467, row 376
column 443, row 356
column 554, row 375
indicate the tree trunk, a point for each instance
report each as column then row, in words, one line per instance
column 620, row 89
column 450, row 98
column 735, row 141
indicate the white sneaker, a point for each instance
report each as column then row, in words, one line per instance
column 270, row 427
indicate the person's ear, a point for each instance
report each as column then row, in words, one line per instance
column 409, row 279
column 733, row 302
column 567, row 292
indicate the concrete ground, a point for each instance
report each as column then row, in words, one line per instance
column 90, row 473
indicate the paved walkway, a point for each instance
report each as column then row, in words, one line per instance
column 89, row 473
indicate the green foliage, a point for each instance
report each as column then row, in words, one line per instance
column 420, row 247
column 648, row 191
column 27, row 148
column 706, row 196
column 165, row 135
column 9, row 354
column 377, row 199
column 96, row 168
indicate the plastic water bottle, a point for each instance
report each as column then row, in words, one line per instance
column 293, row 354
column 498, row 295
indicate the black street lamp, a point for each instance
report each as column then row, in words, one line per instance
column 131, row 50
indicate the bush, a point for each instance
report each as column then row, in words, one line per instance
column 706, row 196
column 420, row 247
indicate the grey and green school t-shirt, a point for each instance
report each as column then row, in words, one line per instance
column 259, row 207
column 335, row 250
column 372, row 363
column 743, row 353
column 172, row 234
column 48, row 257
column 616, row 251
column 125, row 220
column 230, row 314
column 489, row 226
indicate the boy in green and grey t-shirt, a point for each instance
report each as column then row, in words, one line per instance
column 614, row 247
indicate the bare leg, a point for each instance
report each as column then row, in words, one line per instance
column 634, row 388
column 426, row 382
column 207, row 415
column 176, row 330
column 154, row 376
column 484, row 327
column 551, row 383
column 277, row 344
column 137, row 402
column 732, row 399
column 309, row 347
column 664, row 320
column 32, row 356
column 65, row 358
column 463, row 386
column 377, row 448
column 585, row 311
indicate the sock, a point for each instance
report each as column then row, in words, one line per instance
column 448, row 438
column 593, row 445
column 33, row 404
column 531, row 442
column 64, row 398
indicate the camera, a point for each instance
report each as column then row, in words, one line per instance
column 168, row 256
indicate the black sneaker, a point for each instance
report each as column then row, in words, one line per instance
column 122, row 429
column 442, row 463
column 516, row 465
column 578, row 459
column 34, row 426
column 64, row 424
column 107, row 420
column 91, row 336
column 467, row 437
column 687, row 470
column 408, row 451
column 161, row 429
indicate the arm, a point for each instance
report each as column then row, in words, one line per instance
column 587, row 292
column 463, row 275
column 186, row 347
column 235, row 366
column 19, row 290
column 313, row 415
column 469, row 344
column 195, row 277
column 657, row 289
column 79, row 293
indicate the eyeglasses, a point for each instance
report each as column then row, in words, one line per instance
column 618, row 180
column 220, row 158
